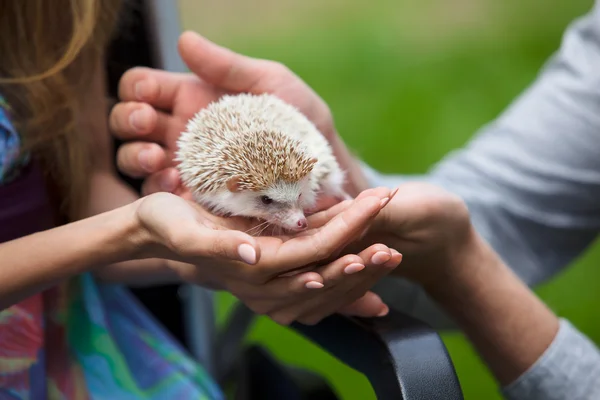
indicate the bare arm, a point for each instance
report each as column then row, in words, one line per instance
column 532, row 353
column 64, row 252
column 508, row 325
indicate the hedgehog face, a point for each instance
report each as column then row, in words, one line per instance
column 283, row 204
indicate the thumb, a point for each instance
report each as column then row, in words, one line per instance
column 370, row 305
column 228, row 244
column 218, row 65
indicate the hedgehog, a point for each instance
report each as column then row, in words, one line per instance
column 257, row 156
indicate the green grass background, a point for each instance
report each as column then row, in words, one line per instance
column 407, row 81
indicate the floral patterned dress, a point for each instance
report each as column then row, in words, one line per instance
column 81, row 339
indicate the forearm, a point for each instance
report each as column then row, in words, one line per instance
column 507, row 324
column 35, row 262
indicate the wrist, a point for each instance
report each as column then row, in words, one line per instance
column 128, row 237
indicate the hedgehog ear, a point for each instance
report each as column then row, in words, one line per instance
column 233, row 184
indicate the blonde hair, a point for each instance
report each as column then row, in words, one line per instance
column 49, row 50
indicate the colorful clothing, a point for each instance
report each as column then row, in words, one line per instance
column 10, row 143
column 80, row 340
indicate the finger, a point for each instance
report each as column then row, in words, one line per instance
column 378, row 191
column 131, row 119
column 166, row 180
column 292, row 307
column 275, row 294
column 377, row 259
column 220, row 244
column 218, row 65
column 134, row 121
column 303, row 250
column 140, row 159
column 371, row 305
column 323, row 203
column 336, row 273
column 153, row 86
column 320, row 218
column 367, row 306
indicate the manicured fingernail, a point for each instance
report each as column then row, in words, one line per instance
column 384, row 202
column 313, row 285
column 144, row 160
column 247, row 253
column 353, row 268
column 381, row 257
column 384, row 312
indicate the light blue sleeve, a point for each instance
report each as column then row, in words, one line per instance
column 568, row 370
column 531, row 178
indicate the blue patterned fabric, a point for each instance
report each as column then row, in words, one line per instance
column 10, row 144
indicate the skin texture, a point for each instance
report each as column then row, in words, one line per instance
column 508, row 325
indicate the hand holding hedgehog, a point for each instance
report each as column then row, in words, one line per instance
column 256, row 156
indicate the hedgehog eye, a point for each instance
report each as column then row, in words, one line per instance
column 266, row 200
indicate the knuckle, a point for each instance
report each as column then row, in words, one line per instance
column 380, row 247
column 128, row 78
column 218, row 247
column 350, row 259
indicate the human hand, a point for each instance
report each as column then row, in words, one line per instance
column 156, row 105
column 428, row 225
column 194, row 239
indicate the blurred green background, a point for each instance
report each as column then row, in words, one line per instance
column 407, row 81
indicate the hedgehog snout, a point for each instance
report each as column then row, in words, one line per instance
column 294, row 220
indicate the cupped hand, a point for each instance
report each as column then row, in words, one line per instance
column 156, row 105
column 429, row 226
column 277, row 281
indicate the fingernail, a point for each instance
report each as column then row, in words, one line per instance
column 381, row 257
column 166, row 185
column 247, row 253
column 353, row 268
column 144, row 160
column 136, row 118
column 141, row 90
column 384, row 202
column 384, row 312
column 313, row 285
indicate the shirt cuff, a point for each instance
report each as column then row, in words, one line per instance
column 568, row 369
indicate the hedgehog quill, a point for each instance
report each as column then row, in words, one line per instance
column 259, row 157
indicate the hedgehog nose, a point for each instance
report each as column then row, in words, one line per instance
column 302, row 224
